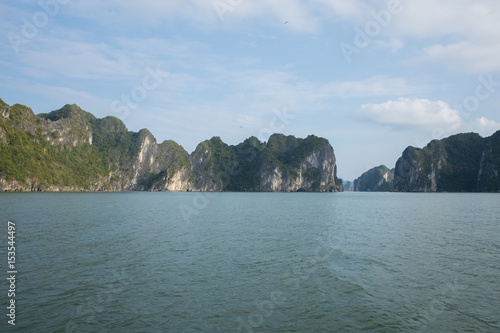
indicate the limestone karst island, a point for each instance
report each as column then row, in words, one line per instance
column 71, row 150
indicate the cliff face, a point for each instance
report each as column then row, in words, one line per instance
column 46, row 152
column 378, row 179
column 488, row 178
column 419, row 169
column 156, row 167
column 212, row 162
column 71, row 150
column 284, row 164
column 290, row 164
column 459, row 163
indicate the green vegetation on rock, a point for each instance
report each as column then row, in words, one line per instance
column 464, row 153
column 460, row 163
column 27, row 155
column 378, row 179
column 71, row 149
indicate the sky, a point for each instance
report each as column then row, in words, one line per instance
column 372, row 77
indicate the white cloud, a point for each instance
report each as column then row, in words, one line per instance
column 422, row 19
column 467, row 31
column 394, row 44
column 469, row 55
column 146, row 12
column 431, row 19
column 483, row 126
column 487, row 123
column 432, row 119
column 217, row 14
column 352, row 9
column 377, row 86
column 123, row 60
column 420, row 114
column 75, row 59
column 302, row 15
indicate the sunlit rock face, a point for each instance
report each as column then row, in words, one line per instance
column 71, row 150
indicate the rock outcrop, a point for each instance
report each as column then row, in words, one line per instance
column 72, row 150
column 460, row 163
column 289, row 164
column 283, row 164
column 488, row 177
column 378, row 179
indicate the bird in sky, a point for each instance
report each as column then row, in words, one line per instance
column 285, row 22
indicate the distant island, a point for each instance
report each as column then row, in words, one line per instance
column 71, row 150
column 378, row 179
column 460, row 163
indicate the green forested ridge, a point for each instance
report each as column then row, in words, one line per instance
column 464, row 153
column 223, row 156
column 460, row 163
column 245, row 163
column 26, row 153
column 71, row 149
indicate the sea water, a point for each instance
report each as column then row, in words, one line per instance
column 252, row 262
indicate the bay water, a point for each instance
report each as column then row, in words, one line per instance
column 253, row 262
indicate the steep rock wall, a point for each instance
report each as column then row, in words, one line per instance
column 460, row 163
column 72, row 150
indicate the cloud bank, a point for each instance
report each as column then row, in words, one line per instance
column 423, row 115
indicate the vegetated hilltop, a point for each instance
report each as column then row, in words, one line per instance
column 460, row 163
column 378, row 179
column 72, row 150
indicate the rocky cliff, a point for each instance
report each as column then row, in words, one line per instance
column 71, row 150
column 488, row 176
column 348, row 186
column 378, row 179
column 283, row 164
column 460, row 163
column 287, row 164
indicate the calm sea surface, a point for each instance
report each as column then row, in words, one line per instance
column 253, row 262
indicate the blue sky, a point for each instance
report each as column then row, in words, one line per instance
column 373, row 77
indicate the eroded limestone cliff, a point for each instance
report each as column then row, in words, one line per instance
column 460, row 163
column 72, row 150
column 378, row 179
